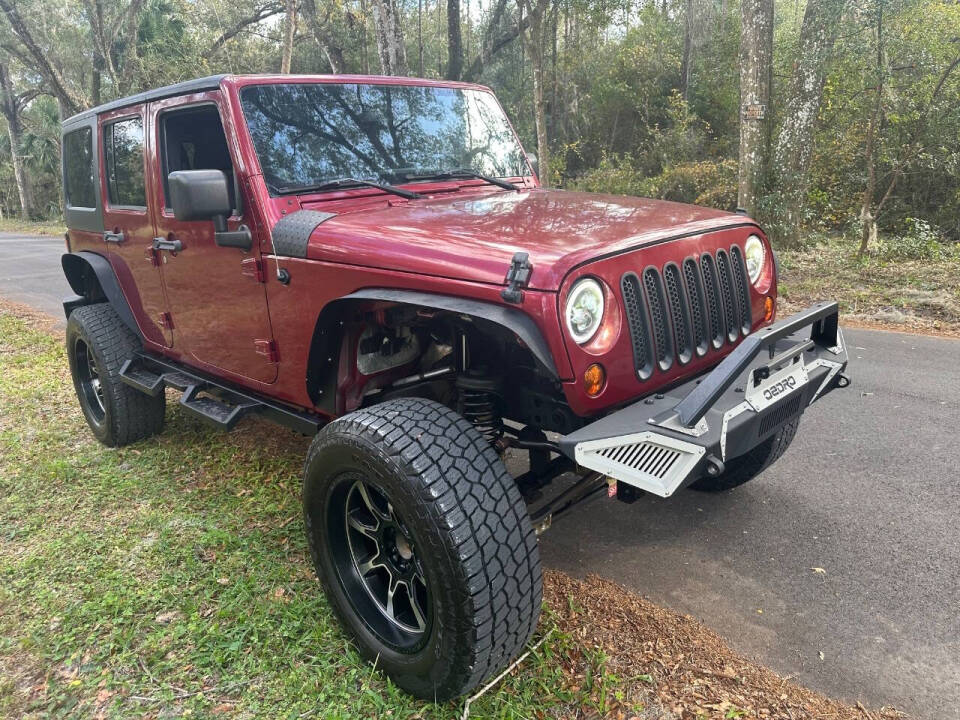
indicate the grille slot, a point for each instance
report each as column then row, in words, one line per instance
column 660, row 322
column 698, row 310
column 644, row 457
column 647, row 460
column 639, row 326
column 743, row 291
column 730, row 309
column 679, row 312
column 780, row 415
column 711, row 287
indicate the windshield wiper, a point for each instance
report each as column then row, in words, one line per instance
column 464, row 173
column 345, row 183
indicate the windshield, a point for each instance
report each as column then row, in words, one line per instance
column 307, row 134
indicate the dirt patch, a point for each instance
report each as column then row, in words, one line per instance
column 906, row 295
column 692, row 672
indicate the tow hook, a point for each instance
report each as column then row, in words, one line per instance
column 715, row 466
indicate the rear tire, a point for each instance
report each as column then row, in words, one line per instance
column 407, row 494
column 746, row 467
column 98, row 344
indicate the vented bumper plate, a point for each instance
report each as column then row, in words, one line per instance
column 666, row 441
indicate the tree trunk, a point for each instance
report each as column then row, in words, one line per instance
column 454, row 41
column 289, row 32
column 391, row 46
column 688, row 11
column 868, row 221
column 794, row 149
column 331, row 50
column 756, row 71
column 533, row 40
column 10, row 108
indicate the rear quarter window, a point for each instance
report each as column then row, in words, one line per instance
column 79, row 183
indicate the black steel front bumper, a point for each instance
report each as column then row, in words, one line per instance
column 675, row 437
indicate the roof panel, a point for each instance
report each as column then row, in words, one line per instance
column 211, row 82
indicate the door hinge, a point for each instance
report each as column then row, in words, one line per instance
column 517, row 278
column 166, row 320
column 253, row 268
column 150, row 255
column 267, row 348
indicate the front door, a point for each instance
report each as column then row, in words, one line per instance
column 216, row 295
column 127, row 221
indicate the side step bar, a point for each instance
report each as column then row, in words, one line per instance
column 217, row 404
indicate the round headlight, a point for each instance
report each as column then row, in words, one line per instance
column 584, row 311
column 755, row 256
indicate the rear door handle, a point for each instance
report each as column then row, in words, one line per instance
column 160, row 243
column 113, row 237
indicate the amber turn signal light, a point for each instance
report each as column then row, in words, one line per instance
column 594, row 378
column 767, row 309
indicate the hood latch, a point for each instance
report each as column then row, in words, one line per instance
column 517, row 278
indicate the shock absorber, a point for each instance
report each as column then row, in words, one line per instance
column 479, row 401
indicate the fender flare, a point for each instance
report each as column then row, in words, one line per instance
column 515, row 321
column 76, row 266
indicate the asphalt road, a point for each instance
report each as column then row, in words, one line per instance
column 868, row 493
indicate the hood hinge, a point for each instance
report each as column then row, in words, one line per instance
column 253, row 268
column 267, row 348
column 517, row 277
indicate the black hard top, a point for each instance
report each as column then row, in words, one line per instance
column 211, row 82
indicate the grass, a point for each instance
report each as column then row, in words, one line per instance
column 901, row 292
column 172, row 576
column 32, row 227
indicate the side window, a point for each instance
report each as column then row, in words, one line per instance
column 193, row 139
column 123, row 156
column 78, row 180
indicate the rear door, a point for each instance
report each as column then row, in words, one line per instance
column 217, row 297
column 127, row 221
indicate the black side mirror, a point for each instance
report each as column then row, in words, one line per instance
column 205, row 195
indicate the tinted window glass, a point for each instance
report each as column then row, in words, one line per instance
column 193, row 139
column 306, row 133
column 123, row 152
column 78, row 178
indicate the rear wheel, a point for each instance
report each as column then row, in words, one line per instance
column 98, row 344
column 746, row 467
column 423, row 544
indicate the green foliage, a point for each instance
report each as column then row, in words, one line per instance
column 618, row 114
column 920, row 241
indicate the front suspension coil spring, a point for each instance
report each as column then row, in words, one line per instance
column 479, row 401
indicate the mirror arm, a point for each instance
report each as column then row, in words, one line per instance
column 239, row 238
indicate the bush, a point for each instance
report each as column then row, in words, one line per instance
column 711, row 183
column 921, row 241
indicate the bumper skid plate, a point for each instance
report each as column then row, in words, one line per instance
column 673, row 438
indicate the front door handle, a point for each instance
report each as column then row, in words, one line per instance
column 113, row 237
column 173, row 246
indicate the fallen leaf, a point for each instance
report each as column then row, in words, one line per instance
column 167, row 617
column 819, row 570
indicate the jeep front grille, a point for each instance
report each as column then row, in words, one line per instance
column 677, row 312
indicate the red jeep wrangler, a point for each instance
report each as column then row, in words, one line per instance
column 372, row 261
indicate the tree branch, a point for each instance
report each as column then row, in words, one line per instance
column 242, row 24
column 71, row 101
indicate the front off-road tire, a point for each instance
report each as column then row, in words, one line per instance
column 98, row 344
column 408, row 495
column 746, row 467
